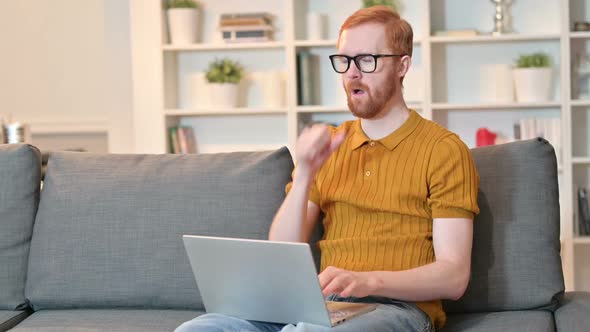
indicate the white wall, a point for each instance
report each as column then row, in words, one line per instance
column 56, row 71
column 118, row 89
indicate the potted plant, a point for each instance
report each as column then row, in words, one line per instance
column 183, row 18
column 395, row 4
column 223, row 76
column 532, row 78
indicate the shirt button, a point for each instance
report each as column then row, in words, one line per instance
column 372, row 144
column 368, row 173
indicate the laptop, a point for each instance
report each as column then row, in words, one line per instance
column 263, row 281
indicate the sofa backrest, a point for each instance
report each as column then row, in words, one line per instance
column 516, row 263
column 20, row 179
column 109, row 228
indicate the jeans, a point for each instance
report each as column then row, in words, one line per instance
column 390, row 315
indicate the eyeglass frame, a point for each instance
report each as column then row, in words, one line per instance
column 354, row 58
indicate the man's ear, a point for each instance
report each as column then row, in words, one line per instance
column 404, row 65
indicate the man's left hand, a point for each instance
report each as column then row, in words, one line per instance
column 347, row 283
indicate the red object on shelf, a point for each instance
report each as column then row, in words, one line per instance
column 484, row 137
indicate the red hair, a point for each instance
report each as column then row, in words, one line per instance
column 399, row 34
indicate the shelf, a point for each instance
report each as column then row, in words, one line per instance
column 325, row 43
column 225, row 111
column 580, row 102
column 491, row 106
column 581, row 160
column 579, row 34
column 493, row 39
column 222, row 46
column 582, row 239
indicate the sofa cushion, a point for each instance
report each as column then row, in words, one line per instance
column 516, row 263
column 109, row 228
column 510, row 321
column 573, row 314
column 10, row 318
column 20, row 179
column 105, row 320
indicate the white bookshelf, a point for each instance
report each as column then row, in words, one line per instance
column 222, row 47
column 223, row 111
column 582, row 240
column 451, row 91
column 576, row 34
column 499, row 106
column 494, row 39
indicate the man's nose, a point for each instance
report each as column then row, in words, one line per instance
column 353, row 71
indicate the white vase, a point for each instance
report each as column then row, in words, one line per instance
column 182, row 25
column 532, row 84
column 273, row 91
column 315, row 28
column 223, row 95
column 496, row 83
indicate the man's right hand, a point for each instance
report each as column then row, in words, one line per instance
column 314, row 147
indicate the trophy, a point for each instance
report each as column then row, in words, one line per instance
column 501, row 18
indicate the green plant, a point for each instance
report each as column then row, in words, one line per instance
column 224, row 71
column 533, row 60
column 395, row 4
column 181, row 4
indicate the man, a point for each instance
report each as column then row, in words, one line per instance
column 398, row 194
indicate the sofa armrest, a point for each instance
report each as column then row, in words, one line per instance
column 573, row 313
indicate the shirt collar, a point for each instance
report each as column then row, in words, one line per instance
column 390, row 141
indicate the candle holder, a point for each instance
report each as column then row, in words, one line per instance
column 501, row 17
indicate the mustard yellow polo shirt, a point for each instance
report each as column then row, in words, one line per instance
column 379, row 198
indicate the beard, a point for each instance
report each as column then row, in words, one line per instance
column 373, row 103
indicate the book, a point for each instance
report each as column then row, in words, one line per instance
column 584, row 212
column 173, row 136
column 182, row 140
column 243, row 21
column 305, row 86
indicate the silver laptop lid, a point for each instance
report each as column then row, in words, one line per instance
column 257, row 280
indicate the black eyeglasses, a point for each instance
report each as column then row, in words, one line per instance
column 367, row 63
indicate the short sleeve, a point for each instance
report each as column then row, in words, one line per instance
column 452, row 180
column 314, row 194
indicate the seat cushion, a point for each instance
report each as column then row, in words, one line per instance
column 509, row 321
column 105, row 320
column 109, row 228
column 573, row 313
column 20, row 180
column 516, row 262
column 9, row 319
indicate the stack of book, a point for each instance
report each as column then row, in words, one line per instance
column 548, row 128
column 246, row 27
column 182, row 140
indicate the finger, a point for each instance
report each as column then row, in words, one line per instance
column 326, row 276
column 334, row 287
column 337, row 140
column 349, row 290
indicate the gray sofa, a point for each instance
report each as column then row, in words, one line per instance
column 99, row 249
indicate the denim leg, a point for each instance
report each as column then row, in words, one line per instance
column 389, row 316
column 223, row 323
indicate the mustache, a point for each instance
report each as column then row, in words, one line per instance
column 356, row 85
